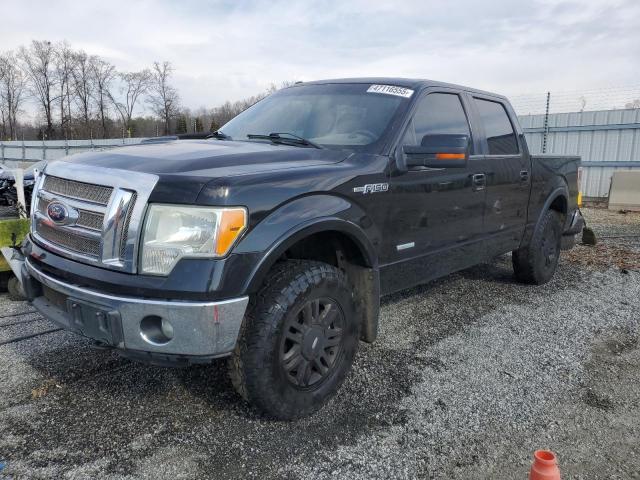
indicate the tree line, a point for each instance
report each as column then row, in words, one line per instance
column 77, row 95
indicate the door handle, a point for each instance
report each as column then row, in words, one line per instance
column 478, row 181
column 524, row 176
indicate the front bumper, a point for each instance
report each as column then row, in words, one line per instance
column 200, row 330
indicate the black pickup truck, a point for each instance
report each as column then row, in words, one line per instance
column 272, row 241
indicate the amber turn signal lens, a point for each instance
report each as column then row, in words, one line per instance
column 232, row 224
column 449, row 156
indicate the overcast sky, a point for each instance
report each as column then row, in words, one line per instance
column 227, row 50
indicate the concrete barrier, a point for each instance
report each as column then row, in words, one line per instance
column 625, row 190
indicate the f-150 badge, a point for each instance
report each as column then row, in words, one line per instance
column 372, row 188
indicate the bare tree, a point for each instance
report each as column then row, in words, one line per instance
column 39, row 65
column 12, row 89
column 163, row 98
column 228, row 110
column 133, row 85
column 633, row 104
column 65, row 63
column 3, row 124
column 102, row 75
column 83, row 86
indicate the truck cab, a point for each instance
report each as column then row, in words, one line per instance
column 271, row 242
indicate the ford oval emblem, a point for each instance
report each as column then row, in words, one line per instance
column 57, row 212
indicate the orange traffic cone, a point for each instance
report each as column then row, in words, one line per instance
column 545, row 466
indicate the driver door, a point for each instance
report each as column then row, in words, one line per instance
column 436, row 219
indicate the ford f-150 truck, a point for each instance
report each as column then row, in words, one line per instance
column 272, row 241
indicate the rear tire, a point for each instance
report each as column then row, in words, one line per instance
column 298, row 340
column 537, row 262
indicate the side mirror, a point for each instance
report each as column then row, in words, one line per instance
column 438, row 151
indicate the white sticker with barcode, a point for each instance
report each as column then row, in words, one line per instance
column 391, row 90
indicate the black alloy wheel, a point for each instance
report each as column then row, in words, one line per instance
column 311, row 344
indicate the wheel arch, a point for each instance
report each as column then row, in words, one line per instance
column 340, row 243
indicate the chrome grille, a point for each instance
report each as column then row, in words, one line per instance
column 42, row 205
column 83, row 234
column 90, row 220
column 86, row 218
column 102, row 222
column 82, row 191
column 70, row 241
column 127, row 222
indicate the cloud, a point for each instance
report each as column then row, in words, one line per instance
column 226, row 50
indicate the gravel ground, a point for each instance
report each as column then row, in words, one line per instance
column 471, row 373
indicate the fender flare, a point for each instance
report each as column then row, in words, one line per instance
column 303, row 230
column 308, row 215
column 561, row 191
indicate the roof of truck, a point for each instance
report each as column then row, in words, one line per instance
column 412, row 83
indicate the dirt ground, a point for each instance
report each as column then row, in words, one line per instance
column 470, row 374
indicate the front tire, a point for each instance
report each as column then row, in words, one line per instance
column 537, row 262
column 298, row 340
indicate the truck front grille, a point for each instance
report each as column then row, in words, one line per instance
column 82, row 236
column 90, row 220
column 86, row 218
column 75, row 243
column 78, row 190
column 94, row 223
column 127, row 223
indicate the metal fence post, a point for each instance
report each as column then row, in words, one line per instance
column 2, row 148
column 44, row 150
column 23, row 149
column 546, row 124
column 66, row 145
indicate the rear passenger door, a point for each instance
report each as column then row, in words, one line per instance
column 507, row 172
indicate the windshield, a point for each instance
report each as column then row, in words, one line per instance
column 330, row 115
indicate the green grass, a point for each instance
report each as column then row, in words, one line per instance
column 19, row 226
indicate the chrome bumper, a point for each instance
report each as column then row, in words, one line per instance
column 198, row 329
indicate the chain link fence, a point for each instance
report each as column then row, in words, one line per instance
column 602, row 126
column 611, row 98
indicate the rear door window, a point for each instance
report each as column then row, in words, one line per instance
column 501, row 138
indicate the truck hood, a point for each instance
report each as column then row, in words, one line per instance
column 208, row 159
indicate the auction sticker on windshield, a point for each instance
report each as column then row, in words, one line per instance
column 390, row 90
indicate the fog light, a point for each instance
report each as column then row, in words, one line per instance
column 156, row 330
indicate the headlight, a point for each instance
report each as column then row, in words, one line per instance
column 172, row 232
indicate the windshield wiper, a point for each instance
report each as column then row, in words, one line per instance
column 291, row 138
column 219, row 135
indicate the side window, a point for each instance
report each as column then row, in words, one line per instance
column 437, row 113
column 500, row 135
